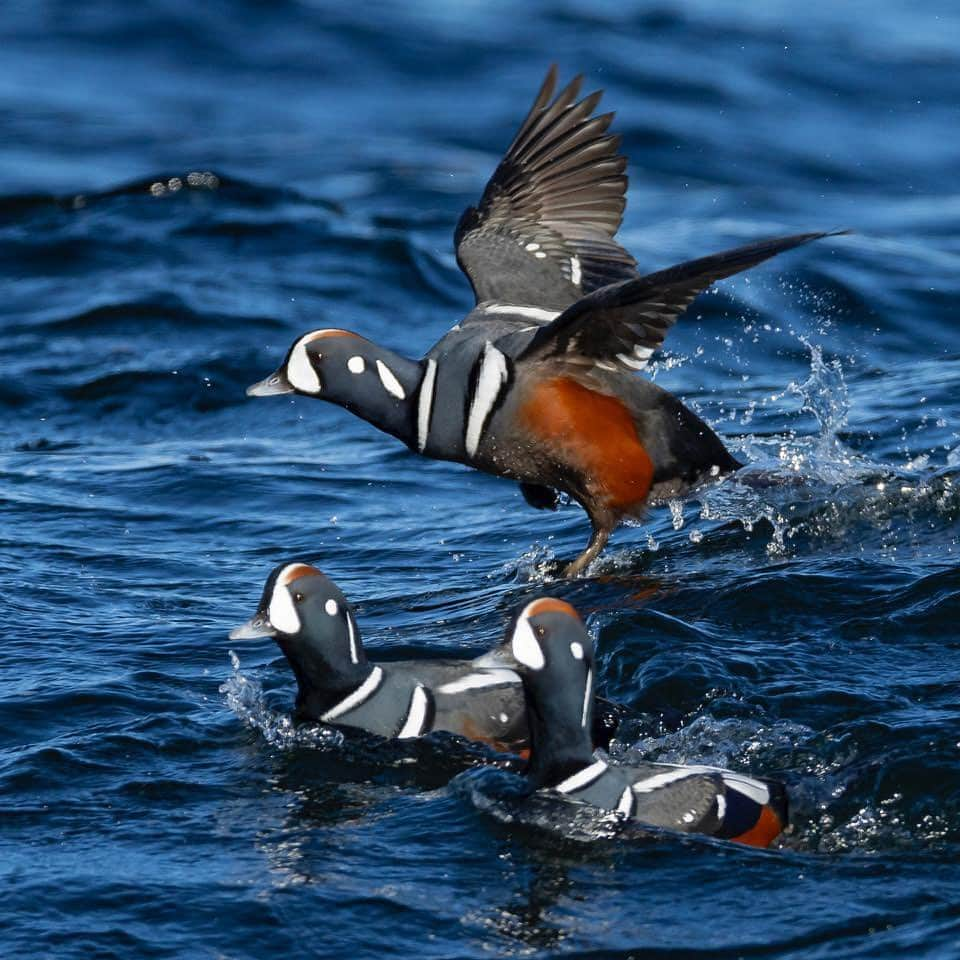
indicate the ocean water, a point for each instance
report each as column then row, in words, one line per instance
column 186, row 187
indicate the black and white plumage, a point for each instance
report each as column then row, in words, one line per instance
column 315, row 627
column 553, row 653
column 537, row 383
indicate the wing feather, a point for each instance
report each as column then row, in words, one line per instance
column 623, row 323
column 543, row 231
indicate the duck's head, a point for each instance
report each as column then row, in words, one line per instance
column 334, row 365
column 314, row 625
column 548, row 645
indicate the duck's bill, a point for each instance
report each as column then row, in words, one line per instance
column 257, row 626
column 271, row 386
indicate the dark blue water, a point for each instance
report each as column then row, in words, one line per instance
column 184, row 188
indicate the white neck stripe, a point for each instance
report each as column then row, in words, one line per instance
column 360, row 695
column 390, row 383
column 425, row 404
column 587, row 690
column 352, row 634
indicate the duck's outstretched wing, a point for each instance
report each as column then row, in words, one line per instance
column 620, row 326
column 543, row 232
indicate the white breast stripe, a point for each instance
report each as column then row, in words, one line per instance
column 425, row 404
column 390, row 383
column 534, row 313
column 352, row 634
column 363, row 693
column 479, row 680
column 587, row 691
column 493, row 375
column 626, row 804
column 582, row 778
column 721, row 807
column 575, row 271
column 416, row 716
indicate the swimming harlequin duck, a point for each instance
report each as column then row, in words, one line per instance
column 315, row 627
column 550, row 648
column 537, row 383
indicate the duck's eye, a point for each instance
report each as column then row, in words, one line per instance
column 298, row 597
column 541, row 632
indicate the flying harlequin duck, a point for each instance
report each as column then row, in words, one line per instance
column 550, row 648
column 315, row 627
column 537, row 383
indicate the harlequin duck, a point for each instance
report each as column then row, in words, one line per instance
column 315, row 627
column 551, row 650
column 537, row 383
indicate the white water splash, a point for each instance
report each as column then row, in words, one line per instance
column 244, row 697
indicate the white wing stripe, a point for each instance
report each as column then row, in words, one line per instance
column 534, row 313
column 479, row 680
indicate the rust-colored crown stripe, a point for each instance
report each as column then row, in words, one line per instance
column 296, row 571
column 332, row 332
column 550, row 605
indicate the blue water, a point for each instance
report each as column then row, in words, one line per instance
column 156, row 801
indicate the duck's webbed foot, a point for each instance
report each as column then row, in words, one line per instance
column 601, row 534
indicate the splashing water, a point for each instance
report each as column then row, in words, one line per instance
column 244, row 697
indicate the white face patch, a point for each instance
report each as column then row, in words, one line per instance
column 331, row 607
column 526, row 648
column 577, row 650
column 356, row 365
column 300, row 371
column 282, row 612
column 390, row 383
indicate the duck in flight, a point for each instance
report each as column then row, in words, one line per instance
column 539, row 382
